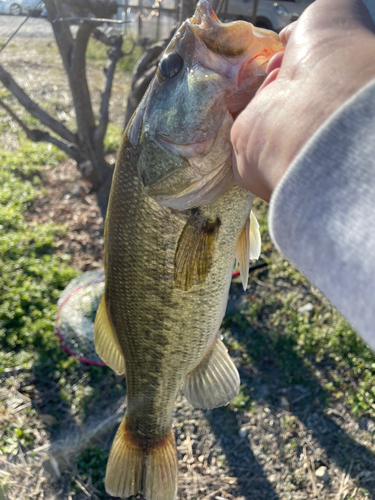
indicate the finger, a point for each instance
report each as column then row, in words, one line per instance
column 247, row 178
column 271, row 77
column 275, row 62
column 286, row 33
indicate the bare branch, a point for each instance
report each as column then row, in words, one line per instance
column 33, row 108
column 80, row 45
column 70, row 149
column 110, row 41
column 114, row 55
column 61, row 30
column 38, row 135
column 14, row 116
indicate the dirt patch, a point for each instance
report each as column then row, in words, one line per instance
column 67, row 201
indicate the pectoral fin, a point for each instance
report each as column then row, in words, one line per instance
column 248, row 247
column 214, row 382
column 255, row 241
column 195, row 248
column 106, row 344
column 243, row 253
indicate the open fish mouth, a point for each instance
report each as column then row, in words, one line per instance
column 242, row 45
column 229, row 39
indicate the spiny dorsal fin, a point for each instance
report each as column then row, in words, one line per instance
column 214, row 382
column 106, row 344
column 194, row 253
column 248, row 247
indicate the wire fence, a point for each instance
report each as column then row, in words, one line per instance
column 153, row 19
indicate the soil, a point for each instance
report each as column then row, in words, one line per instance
column 67, row 201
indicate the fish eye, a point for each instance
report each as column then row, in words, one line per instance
column 171, row 65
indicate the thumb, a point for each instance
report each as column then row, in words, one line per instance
column 248, row 178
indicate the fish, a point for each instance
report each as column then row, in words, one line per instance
column 175, row 225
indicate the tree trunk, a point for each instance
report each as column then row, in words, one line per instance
column 73, row 52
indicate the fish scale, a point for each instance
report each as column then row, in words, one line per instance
column 178, row 325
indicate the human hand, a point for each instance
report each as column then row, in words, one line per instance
column 329, row 56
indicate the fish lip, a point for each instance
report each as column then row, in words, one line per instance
column 204, row 16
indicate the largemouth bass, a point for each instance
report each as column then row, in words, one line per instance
column 175, row 224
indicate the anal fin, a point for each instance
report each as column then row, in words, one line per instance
column 214, row 382
column 150, row 470
column 106, row 344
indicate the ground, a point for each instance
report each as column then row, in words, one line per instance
column 303, row 424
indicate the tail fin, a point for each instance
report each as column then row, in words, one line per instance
column 131, row 469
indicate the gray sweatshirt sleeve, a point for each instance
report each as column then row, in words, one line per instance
column 322, row 213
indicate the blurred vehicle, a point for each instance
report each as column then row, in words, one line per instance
column 20, row 7
column 271, row 14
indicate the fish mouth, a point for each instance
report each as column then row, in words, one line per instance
column 229, row 39
column 204, row 15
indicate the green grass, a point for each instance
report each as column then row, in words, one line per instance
column 91, row 465
column 320, row 347
column 113, row 137
column 32, row 275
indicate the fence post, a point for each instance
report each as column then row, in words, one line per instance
column 140, row 3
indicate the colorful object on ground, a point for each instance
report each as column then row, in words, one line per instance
column 76, row 313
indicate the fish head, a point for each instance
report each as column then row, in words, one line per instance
column 206, row 76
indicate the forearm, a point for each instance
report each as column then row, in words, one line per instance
column 322, row 213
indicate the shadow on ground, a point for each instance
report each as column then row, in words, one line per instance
column 279, row 379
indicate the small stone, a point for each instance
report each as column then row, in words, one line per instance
column 243, row 432
column 306, row 309
column 201, row 459
column 322, row 473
